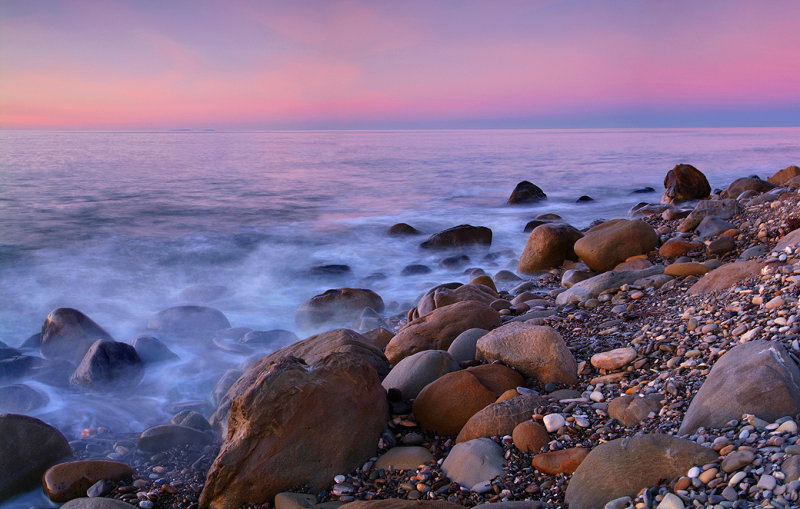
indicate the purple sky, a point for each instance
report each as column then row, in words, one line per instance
column 143, row 64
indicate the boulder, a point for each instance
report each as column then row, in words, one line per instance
column 609, row 243
column 591, row 288
column 473, row 462
column 297, row 424
column 712, row 226
column 28, row 447
column 785, row 175
column 416, row 371
column 725, row 276
column 378, row 337
column 530, row 436
column 548, row 246
column 21, row 399
column 625, row 466
column 444, row 295
column 639, row 262
column 756, row 378
column 191, row 419
column 526, row 192
column 438, row 329
column 188, row 322
column 534, row 350
column 463, row 347
column 404, row 458
column 311, row 350
column 685, row 182
column 501, row 418
column 564, row 461
column 497, row 377
column 151, row 350
column 340, row 305
column 108, row 366
column 630, row 410
column 66, row 481
column 744, row 184
column 67, row 334
column 402, row 229
column 166, row 436
column 464, row 235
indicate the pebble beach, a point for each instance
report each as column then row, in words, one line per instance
column 643, row 362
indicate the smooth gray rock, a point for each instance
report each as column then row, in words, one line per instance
column 96, row 503
column 414, row 372
column 463, row 347
column 712, row 226
column 152, row 350
column 475, row 461
column 593, row 287
column 21, row 399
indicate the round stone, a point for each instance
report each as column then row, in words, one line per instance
column 554, row 422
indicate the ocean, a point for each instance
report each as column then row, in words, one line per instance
column 121, row 225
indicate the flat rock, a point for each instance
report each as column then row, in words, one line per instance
column 404, row 458
column 593, row 287
column 725, row 276
column 166, row 436
column 630, row 410
column 564, row 461
column 416, row 371
column 68, row 334
column 548, row 246
column 470, row 463
column 609, row 243
column 756, row 378
column 96, row 503
column 712, row 226
column 534, row 350
column 625, row 466
column 500, row 418
column 28, row 447
column 66, row 481
column 613, row 359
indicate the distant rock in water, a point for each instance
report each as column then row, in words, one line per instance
column 402, row 229
column 463, row 235
column 415, row 269
column 192, row 322
column 584, row 199
column 109, row 366
column 454, row 262
column 270, row 338
column 643, row 190
column 684, row 182
column 21, row 399
column 67, row 334
column 151, row 350
column 341, row 305
column 34, row 342
column 330, row 270
column 532, row 224
column 526, row 192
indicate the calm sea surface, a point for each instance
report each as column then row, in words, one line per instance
column 122, row 225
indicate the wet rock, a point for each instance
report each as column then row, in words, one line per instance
column 725, row 276
column 108, row 366
column 17, row 366
column 339, row 305
column 166, row 436
column 526, row 192
column 744, row 184
column 400, row 229
column 276, row 427
column 224, row 384
column 191, row 419
column 785, row 175
column 534, row 350
column 416, row 371
column 756, row 378
column 463, row 347
column 188, row 322
column 685, row 182
column 470, row 463
column 415, row 269
column 269, row 338
column 28, row 447
column 501, row 418
column 404, row 458
column 624, row 466
column 643, row 190
column 463, row 235
column 67, row 481
column 378, row 337
column 151, row 350
column 630, row 410
column 548, row 246
column 444, row 295
column 564, row 461
column 530, row 436
column 331, row 270
column 67, row 334
column 438, row 329
column 21, row 399
column 609, row 243
column 584, row 198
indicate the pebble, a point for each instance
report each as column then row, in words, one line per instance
column 146, row 504
column 554, row 422
column 671, row 501
column 766, row 482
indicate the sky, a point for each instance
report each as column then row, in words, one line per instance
column 374, row 64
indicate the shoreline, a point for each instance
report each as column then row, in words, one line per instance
column 677, row 339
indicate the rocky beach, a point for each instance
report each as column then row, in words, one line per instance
column 647, row 362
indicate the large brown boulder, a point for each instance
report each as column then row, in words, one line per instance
column 446, row 404
column 436, row 330
column 339, row 305
column 67, row 334
column 498, row 419
column 612, row 242
column 28, row 447
column 534, row 350
column 66, row 481
column 526, row 192
column 297, row 424
column 311, row 350
column 444, row 295
column 548, row 246
column 744, row 184
column 685, row 182
column 756, row 378
column 625, row 466
column 725, row 276
column 463, row 235
column 785, row 175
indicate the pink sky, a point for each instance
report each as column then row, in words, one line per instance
column 147, row 64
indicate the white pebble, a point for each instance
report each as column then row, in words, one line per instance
column 146, row 504
column 596, row 396
column 694, row 472
column 339, row 479
column 787, row 427
column 736, row 478
column 671, row 501
column 554, row 422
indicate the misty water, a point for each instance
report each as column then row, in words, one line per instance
column 122, row 225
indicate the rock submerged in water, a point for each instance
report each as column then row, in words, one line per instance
column 166, row 436
column 526, row 192
column 151, row 350
column 108, row 366
column 402, row 229
column 276, row 429
column 21, row 399
column 28, row 447
column 464, row 235
column 337, row 305
column 67, row 334
column 684, row 182
column 189, row 322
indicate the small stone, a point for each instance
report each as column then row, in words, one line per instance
column 730, row 494
column 554, row 422
column 613, row 359
column 339, row 479
column 671, row 501
column 596, row 396
column 736, row 478
column 787, row 427
column 736, row 460
column 774, row 303
column 708, row 475
column 694, row 472
column 146, row 504
column 766, row 482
